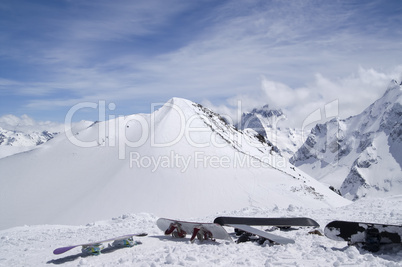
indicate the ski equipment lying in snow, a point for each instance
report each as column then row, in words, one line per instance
column 242, row 226
column 202, row 231
column 279, row 222
column 95, row 248
column 263, row 235
column 371, row 235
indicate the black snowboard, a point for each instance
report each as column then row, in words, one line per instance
column 279, row 222
column 371, row 235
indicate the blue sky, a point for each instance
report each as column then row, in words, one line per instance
column 293, row 55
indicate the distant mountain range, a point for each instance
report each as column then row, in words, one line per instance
column 357, row 157
column 18, row 138
column 361, row 155
column 21, row 134
column 12, row 142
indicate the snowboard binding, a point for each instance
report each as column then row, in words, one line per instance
column 245, row 237
column 202, row 234
column 372, row 239
column 94, row 249
column 176, row 230
column 128, row 242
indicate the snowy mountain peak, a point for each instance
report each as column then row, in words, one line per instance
column 262, row 120
column 266, row 112
column 178, row 102
column 266, row 122
column 394, row 88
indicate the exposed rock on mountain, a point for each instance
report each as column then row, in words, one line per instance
column 361, row 155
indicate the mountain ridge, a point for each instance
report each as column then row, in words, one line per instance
column 173, row 162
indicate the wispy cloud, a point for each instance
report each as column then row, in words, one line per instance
column 353, row 93
column 69, row 51
column 27, row 124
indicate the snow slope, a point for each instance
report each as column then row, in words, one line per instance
column 181, row 161
column 33, row 245
column 360, row 155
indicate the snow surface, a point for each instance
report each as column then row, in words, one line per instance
column 6, row 151
column 182, row 160
column 33, row 245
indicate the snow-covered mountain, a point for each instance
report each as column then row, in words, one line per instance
column 266, row 122
column 361, row 155
column 13, row 142
column 20, row 134
column 183, row 160
column 17, row 138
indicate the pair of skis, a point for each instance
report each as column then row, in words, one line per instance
column 214, row 230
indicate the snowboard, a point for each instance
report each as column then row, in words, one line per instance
column 263, row 235
column 279, row 222
column 202, row 231
column 96, row 247
column 371, row 235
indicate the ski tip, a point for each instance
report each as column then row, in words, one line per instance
column 312, row 222
column 141, row 234
column 219, row 220
column 58, row 251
